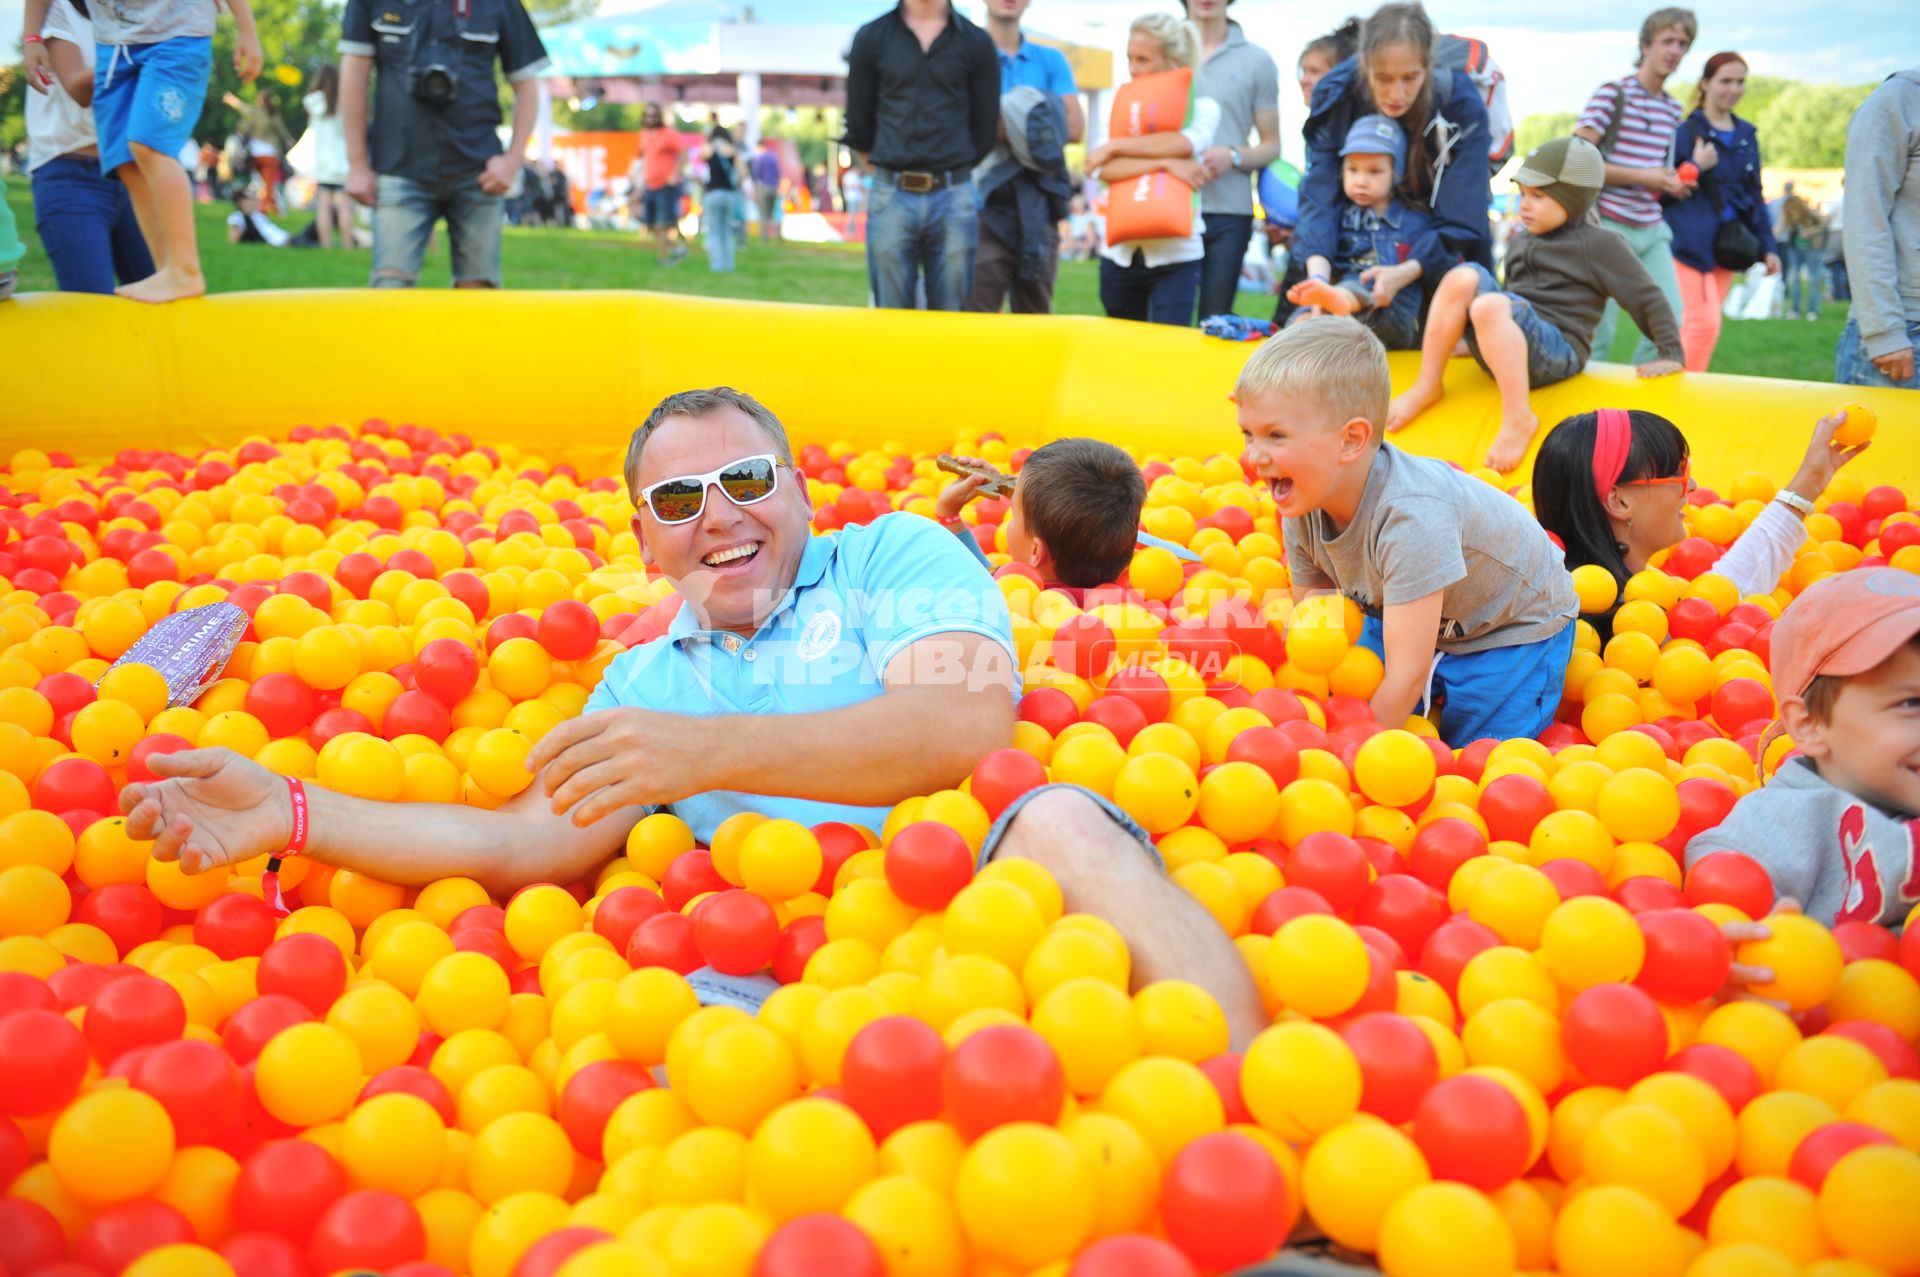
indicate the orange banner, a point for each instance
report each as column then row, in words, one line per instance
column 593, row 160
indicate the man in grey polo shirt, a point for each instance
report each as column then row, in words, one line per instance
column 1243, row 79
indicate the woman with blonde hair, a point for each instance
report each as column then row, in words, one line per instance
column 1157, row 280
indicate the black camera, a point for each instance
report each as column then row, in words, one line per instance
column 435, row 85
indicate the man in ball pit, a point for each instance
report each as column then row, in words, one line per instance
column 810, row 678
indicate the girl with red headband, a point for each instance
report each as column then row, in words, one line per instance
column 1610, row 486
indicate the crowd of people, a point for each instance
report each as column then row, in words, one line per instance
column 959, row 135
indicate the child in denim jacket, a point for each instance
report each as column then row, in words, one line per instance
column 1377, row 233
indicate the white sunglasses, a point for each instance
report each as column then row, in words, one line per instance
column 683, row 498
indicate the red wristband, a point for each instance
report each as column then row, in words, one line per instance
column 297, row 839
column 32, row 39
column 296, row 843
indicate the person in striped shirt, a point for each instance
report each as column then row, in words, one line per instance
column 1633, row 120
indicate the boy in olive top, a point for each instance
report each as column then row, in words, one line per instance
column 1561, row 271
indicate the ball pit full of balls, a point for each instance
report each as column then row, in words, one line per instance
column 1501, row 1039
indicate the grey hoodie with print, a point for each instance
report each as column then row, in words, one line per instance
column 1843, row 858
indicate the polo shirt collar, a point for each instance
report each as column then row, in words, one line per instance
column 813, row 566
column 1234, row 36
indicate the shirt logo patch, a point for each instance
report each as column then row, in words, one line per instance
column 821, row 635
column 1864, row 896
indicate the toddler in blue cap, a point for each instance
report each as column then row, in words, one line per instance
column 1382, row 241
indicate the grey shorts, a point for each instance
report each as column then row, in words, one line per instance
column 403, row 218
column 999, row 830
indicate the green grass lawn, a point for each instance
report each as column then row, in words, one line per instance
column 825, row 274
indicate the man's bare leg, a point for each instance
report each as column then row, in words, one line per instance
column 1104, row 870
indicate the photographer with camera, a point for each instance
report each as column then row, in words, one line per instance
column 433, row 150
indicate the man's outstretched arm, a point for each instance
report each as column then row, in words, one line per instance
column 948, row 703
column 214, row 808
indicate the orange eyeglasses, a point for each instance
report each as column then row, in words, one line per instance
column 1684, row 478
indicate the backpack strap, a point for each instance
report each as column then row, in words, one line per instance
column 1612, row 134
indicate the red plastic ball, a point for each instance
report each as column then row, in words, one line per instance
column 126, row 911
column 235, row 925
column 1815, row 1155
column 590, row 1097
column 371, row 1229
column 125, row 1231
column 1269, row 750
column 818, row 1246
column 1473, row 1130
column 735, row 932
column 798, row 941
column 1004, row 1073
column 1050, row 708
column 927, row 863
column 1005, row 774
column 256, row 1022
column 1224, row 1202
column 1895, row 1052
column 1283, row 905
column 568, row 629
column 1083, row 644
column 1402, row 906
column 892, row 1073
column 446, row 669
column 412, row 1079
column 546, row 1257
column 76, row 784
column 1512, row 805
column 1444, row 845
column 1728, row 877
column 691, row 874
column 1223, row 1071
column 30, row 1237
column 1614, row 1034
column 1132, row 1255
column 1119, row 715
column 665, row 940
column 417, row 714
column 623, row 910
column 1861, row 940
column 138, row 769
column 196, row 1082
column 282, row 703
column 136, row 1010
column 1333, row 865
column 1722, row 1068
column 305, row 967
column 1397, row 1064
column 1451, row 946
column 1687, row 957
column 264, row 1255
column 284, row 1187
column 1145, row 689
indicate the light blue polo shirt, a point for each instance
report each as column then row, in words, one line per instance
column 1037, row 66
column 860, row 596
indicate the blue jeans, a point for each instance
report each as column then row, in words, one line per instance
column 1851, row 367
column 991, row 843
column 1804, row 266
column 1501, row 692
column 1225, row 237
column 87, row 226
column 1550, row 357
column 718, row 223
column 403, row 217
column 913, row 235
column 1150, row 294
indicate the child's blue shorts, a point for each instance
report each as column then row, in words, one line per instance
column 1550, row 358
column 1503, row 692
column 149, row 93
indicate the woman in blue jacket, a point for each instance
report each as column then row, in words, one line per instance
column 1446, row 126
column 1726, row 149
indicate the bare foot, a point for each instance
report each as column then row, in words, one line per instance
column 1411, row 402
column 1331, row 298
column 169, row 285
column 1510, row 445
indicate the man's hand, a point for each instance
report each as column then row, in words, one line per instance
column 1660, row 368
column 362, row 185
column 1773, row 263
column 38, row 65
column 1667, row 182
column 614, row 758
column 1743, row 976
column 1216, row 160
column 497, row 177
column 1898, row 366
column 211, row 808
column 247, row 57
column 1191, row 172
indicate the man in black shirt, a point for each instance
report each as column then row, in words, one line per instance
column 432, row 151
column 923, row 107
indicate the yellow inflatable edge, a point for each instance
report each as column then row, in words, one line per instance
column 568, row 375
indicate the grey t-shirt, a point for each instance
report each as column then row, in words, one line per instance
column 1843, row 858
column 150, row 21
column 1424, row 526
column 1242, row 78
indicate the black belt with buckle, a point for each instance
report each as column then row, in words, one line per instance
column 920, row 183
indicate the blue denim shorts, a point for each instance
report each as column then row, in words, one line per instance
column 1502, row 692
column 404, row 214
column 991, row 843
column 150, row 94
column 660, row 206
column 1550, row 358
